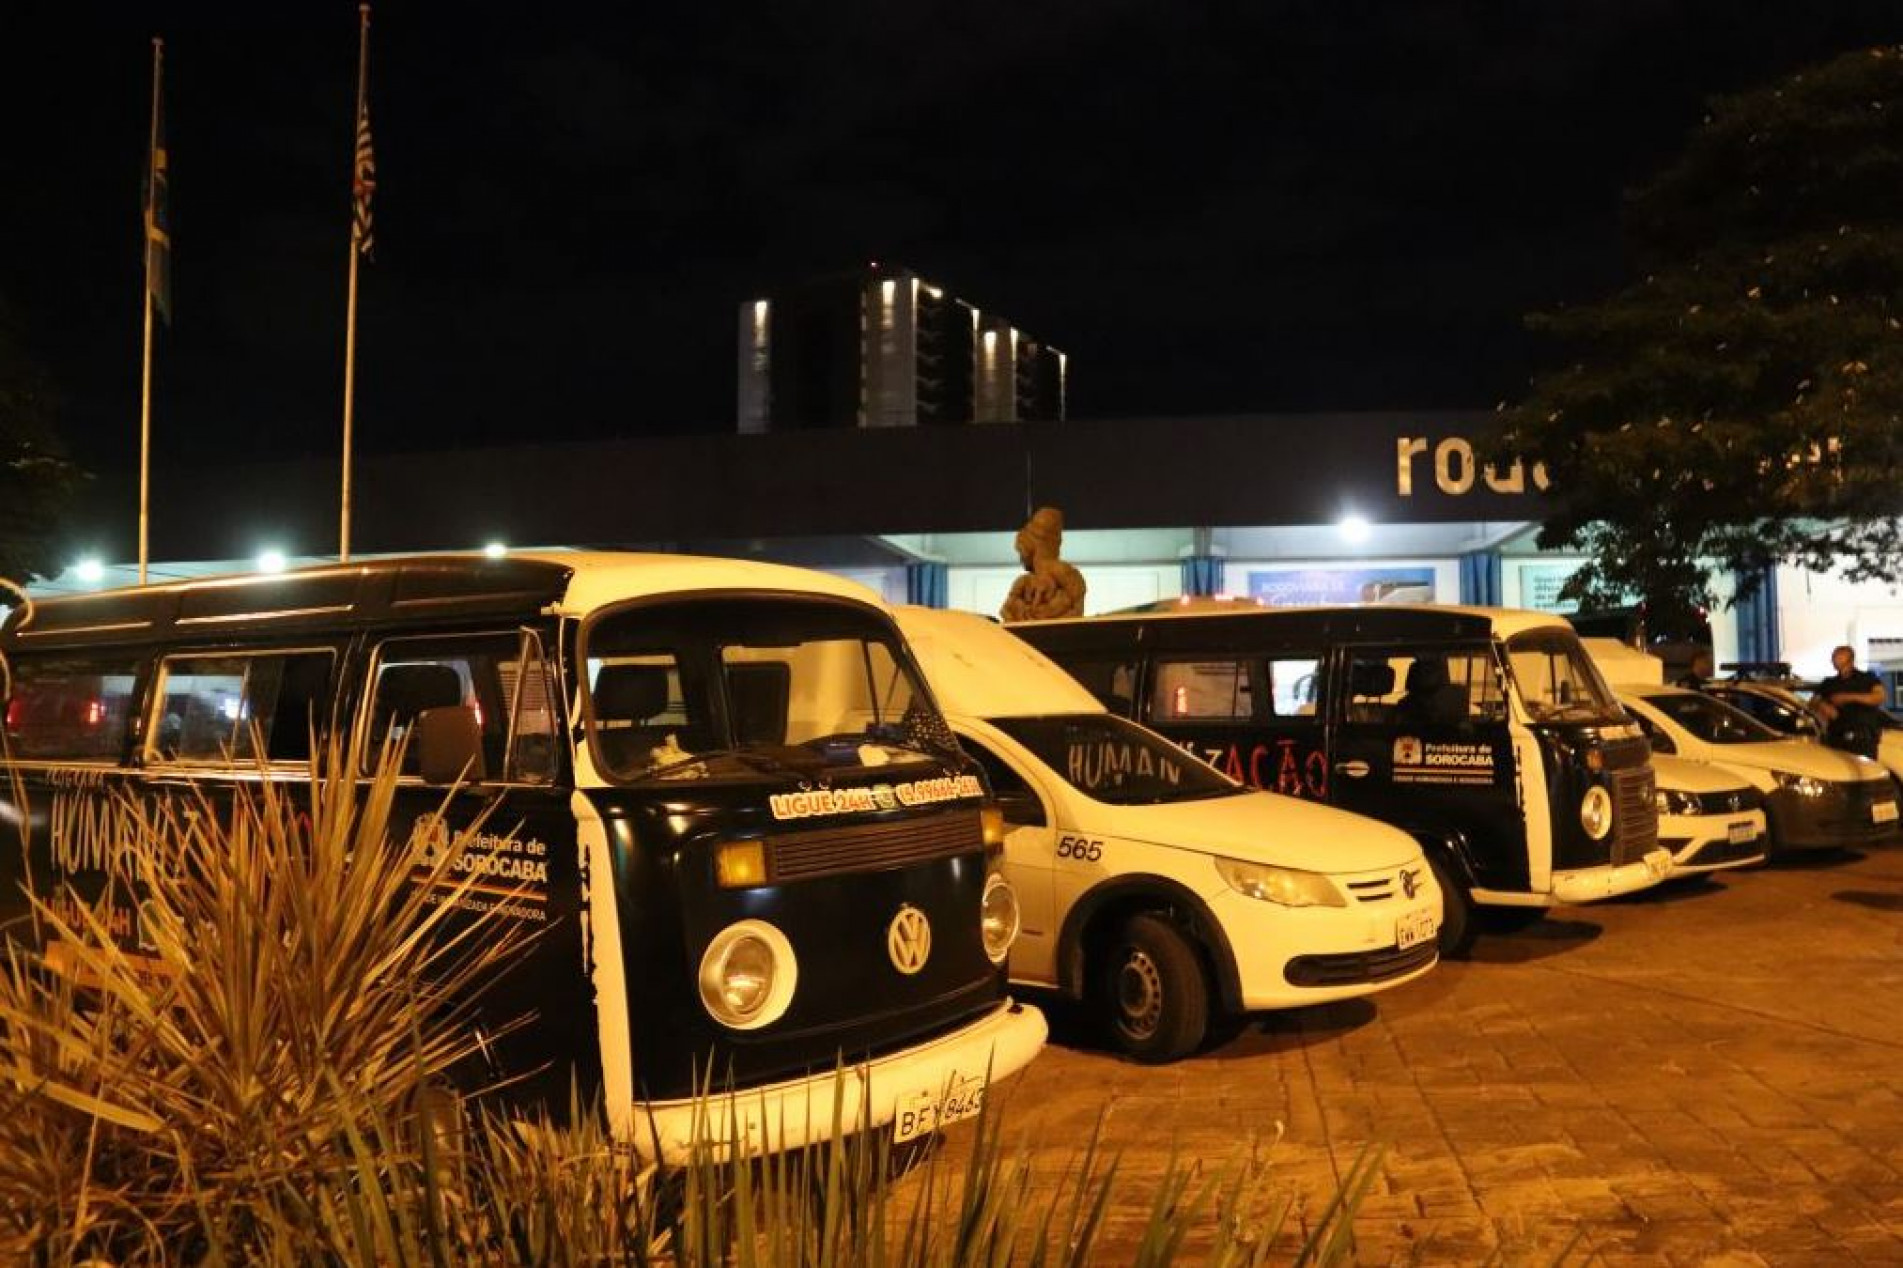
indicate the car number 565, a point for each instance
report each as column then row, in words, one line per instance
column 1079, row 848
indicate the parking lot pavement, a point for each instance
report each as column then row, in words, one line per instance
column 1705, row 1074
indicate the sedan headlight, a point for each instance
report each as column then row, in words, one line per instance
column 998, row 919
column 1281, row 885
column 1595, row 813
column 747, row 975
column 1802, row 785
column 1671, row 801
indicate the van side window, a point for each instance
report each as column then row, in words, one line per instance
column 1372, row 689
column 1113, row 681
column 217, row 708
column 1294, row 686
column 70, row 708
column 502, row 677
column 1424, row 687
column 1204, row 690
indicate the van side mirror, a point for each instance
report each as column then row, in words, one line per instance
column 449, row 746
column 1022, row 808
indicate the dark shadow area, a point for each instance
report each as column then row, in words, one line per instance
column 1073, row 1026
column 1875, row 900
column 1672, row 891
column 1540, row 941
column 1288, row 1028
column 1816, row 860
column 1069, row 1020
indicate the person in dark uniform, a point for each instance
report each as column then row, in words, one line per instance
column 1848, row 702
column 1698, row 675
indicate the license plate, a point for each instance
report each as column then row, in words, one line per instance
column 921, row 1113
column 1415, row 928
column 1883, row 812
column 1739, row 833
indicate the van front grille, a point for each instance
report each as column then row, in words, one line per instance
column 873, row 847
column 1635, row 814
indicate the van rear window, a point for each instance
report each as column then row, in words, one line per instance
column 70, row 708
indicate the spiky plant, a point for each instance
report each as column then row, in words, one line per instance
column 294, row 984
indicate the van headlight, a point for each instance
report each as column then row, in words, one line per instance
column 999, row 921
column 1283, row 886
column 1802, row 785
column 1595, row 813
column 747, row 975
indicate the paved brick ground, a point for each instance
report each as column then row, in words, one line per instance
column 1708, row 1074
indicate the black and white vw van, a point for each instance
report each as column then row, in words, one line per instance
column 720, row 791
column 1485, row 733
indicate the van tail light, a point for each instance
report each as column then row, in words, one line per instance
column 15, row 707
column 477, row 706
column 95, row 711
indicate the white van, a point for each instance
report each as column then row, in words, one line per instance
column 716, row 792
column 1153, row 886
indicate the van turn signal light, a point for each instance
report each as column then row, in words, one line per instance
column 991, row 823
column 740, row 864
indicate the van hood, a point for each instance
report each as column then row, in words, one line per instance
column 1798, row 757
column 1260, row 827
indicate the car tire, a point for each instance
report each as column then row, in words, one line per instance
column 1153, row 991
column 1457, row 926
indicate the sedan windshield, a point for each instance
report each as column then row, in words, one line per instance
column 1116, row 761
column 744, row 686
column 1712, row 721
column 1557, row 681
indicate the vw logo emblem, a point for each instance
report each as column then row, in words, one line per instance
column 908, row 940
column 1410, row 881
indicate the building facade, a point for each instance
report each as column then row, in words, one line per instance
column 1303, row 508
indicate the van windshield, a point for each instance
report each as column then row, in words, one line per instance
column 738, row 686
column 1557, row 681
column 1116, row 761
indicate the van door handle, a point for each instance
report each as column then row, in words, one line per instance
column 1354, row 769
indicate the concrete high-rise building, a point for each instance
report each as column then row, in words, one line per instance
column 885, row 348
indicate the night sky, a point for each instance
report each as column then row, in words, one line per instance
column 1212, row 208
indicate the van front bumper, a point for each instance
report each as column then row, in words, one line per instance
column 1595, row 884
column 800, row 1112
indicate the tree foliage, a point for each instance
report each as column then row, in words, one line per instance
column 37, row 481
column 1741, row 403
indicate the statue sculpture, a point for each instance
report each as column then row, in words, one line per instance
column 1049, row 588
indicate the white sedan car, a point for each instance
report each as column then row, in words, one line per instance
column 1709, row 818
column 1815, row 797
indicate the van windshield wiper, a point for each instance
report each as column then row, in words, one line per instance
column 761, row 762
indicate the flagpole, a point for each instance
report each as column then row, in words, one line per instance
column 145, row 379
column 350, row 326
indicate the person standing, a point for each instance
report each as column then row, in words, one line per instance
column 1848, row 702
column 1698, row 675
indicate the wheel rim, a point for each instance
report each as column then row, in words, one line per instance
column 1139, row 995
